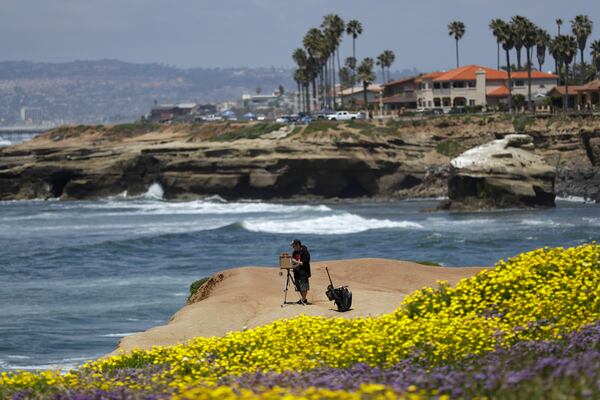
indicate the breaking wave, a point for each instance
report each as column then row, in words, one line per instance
column 345, row 223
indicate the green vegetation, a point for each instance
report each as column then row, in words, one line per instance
column 321, row 125
column 196, row 285
column 450, row 148
column 133, row 129
column 429, row 263
column 521, row 122
column 250, row 131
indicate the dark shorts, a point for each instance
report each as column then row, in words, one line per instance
column 302, row 285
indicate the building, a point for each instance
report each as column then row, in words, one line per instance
column 400, row 94
column 356, row 95
column 31, row 115
column 580, row 96
column 475, row 85
column 261, row 101
column 171, row 112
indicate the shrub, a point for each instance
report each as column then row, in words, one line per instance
column 521, row 122
column 248, row 131
column 450, row 148
column 196, row 285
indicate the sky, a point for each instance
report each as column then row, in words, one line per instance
column 262, row 33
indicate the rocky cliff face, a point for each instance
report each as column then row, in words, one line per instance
column 400, row 160
column 504, row 173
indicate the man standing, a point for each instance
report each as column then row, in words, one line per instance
column 301, row 262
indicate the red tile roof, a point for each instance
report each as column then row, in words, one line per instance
column 469, row 73
column 500, row 91
column 400, row 81
column 573, row 90
column 534, row 75
column 431, row 75
column 591, row 86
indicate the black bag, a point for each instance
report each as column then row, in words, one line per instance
column 342, row 296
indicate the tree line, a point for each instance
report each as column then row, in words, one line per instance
column 318, row 63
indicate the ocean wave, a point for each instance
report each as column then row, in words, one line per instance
column 345, row 223
column 545, row 223
column 575, row 199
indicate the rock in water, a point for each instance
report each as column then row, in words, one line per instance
column 501, row 174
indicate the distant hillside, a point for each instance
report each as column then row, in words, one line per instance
column 111, row 90
column 107, row 91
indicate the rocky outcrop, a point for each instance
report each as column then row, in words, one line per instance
column 504, row 173
column 397, row 160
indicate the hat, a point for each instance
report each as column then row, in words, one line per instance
column 296, row 241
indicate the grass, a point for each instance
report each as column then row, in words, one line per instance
column 250, row 131
column 320, row 125
column 450, row 148
column 521, row 122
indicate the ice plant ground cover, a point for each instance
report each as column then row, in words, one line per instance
column 528, row 328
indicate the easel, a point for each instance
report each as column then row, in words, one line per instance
column 285, row 263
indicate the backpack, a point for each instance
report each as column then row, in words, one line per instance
column 341, row 295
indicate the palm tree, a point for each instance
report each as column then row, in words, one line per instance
column 456, row 29
column 559, row 23
column 517, row 24
column 506, row 37
column 301, row 59
column 528, row 32
column 366, row 76
column 495, row 26
column 333, row 27
column 389, row 58
column 565, row 47
column 595, row 53
column 313, row 43
column 381, row 63
column 354, row 28
column 541, row 44
column 582, row 29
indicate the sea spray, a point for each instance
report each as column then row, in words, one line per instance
column 155, row 191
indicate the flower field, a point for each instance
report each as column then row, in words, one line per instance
column 528, row 328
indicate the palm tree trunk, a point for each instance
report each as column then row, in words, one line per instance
column 352, row 101
column 529, row 102
column 582, row 75
column 339, row 73
column 365, row 86
column 566, row 100
column 333, row 84
column 307, row 95
column 314, row 99
column 457, row 62
column 518, row 58
column 508, row 69
column 498, row 55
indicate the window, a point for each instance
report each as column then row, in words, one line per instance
column 446, row 101
column 472, row 84
column 471, row 102
column 446, row 85
column 458, row 84
column 436, row 85
column 437, row 102
column 519, row 82
column 542, row 86
column 429, row 103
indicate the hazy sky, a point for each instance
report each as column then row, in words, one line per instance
column 222, row 33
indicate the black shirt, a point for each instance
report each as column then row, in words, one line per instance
column 302, row 272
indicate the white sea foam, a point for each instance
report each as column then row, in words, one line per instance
column 575, row 199
column 545, row 223
column 4, row 143
column 119, row 334
column 330, row 225
column 155, row 191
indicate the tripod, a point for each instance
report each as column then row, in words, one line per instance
column 288, row 278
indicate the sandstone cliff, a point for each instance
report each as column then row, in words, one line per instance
column 267, row 161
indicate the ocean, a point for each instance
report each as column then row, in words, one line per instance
column 77, row 276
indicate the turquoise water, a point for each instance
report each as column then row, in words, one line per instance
column 75, row 277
